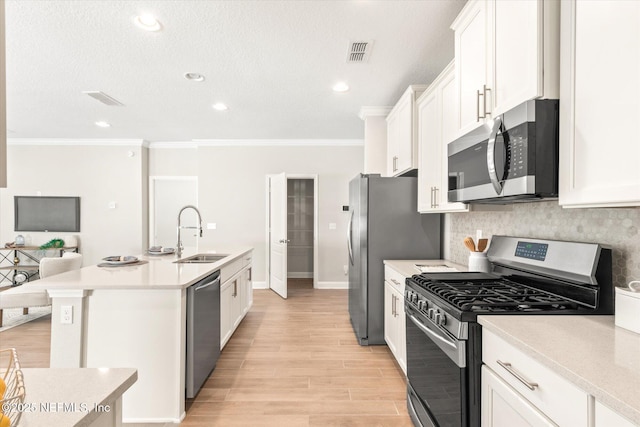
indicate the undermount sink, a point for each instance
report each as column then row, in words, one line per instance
column 202, row 258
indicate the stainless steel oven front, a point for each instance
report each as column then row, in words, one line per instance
column 441, row 372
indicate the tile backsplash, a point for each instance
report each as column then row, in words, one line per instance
column 617, row 228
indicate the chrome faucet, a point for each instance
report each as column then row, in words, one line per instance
column 199, row 227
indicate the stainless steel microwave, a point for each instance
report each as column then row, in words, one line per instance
column 512, row 159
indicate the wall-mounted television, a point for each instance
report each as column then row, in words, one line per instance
column 45, row 213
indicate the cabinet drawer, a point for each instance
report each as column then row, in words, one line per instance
column 394, row 278
column 230, row 269
column 556, row 397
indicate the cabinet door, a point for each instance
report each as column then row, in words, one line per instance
column 471, row 64
column 429, row 150
column 606, row 417
column 517, row 53
column 449, row 107
column 390, row 334
column 405, row 141
column 599, row 150
column 392, row 142
column 502, row 406
column 226, row 308
column 401, row 322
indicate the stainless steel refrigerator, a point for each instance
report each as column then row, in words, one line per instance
column 384, row 223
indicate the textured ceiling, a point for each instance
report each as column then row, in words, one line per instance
column 272, row 62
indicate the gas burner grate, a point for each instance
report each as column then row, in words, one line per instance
column 494, row 295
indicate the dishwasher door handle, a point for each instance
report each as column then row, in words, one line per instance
column 206, row 285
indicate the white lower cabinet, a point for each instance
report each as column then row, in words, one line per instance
column 523, row 392
column 236, row 296
column 394, row 316
column 503, row 406
column 606, row 417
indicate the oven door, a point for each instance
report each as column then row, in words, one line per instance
column 436, row 373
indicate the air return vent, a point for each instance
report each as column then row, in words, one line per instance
column 359, row 51
column 103, row 97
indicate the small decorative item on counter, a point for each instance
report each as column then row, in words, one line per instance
column 19, row 240
column 627, row 303
column 478, row 260
column 53, row 244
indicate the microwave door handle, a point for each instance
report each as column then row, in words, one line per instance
column 491, row 155
column 349, row 238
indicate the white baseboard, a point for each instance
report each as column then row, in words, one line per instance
column 333, row 285
column 259, row 285
column 300, row 275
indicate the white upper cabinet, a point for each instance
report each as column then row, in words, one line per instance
column 506, row 53
column 402, row 138
column 599, row 148
column 437, row 109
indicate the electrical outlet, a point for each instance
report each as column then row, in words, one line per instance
column 66, row 314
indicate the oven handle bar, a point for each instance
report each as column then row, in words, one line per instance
column 507, row 366
column 455, row 351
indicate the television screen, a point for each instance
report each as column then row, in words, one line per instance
column 35, row 213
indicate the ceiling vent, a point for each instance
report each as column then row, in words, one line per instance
column 359, row 51
column 103, row 97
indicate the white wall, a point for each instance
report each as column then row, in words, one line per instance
column 99, row 174
column 232, row 183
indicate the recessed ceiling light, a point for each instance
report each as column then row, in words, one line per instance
column 340, row 87
column 220, row 106
column 194, row 77
column 103, row 124
column 147, row 22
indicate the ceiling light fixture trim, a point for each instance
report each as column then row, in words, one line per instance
column 194, row 77
column 147, row 22
column 103, row 124
column 219, row 106
column 340, row 87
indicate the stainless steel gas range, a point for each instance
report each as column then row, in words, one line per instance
column 529, row 276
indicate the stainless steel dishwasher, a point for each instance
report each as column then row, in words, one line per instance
column 203, row 331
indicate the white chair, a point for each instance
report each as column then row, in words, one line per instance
column 24, row 297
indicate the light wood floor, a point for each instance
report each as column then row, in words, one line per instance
column 291, row 362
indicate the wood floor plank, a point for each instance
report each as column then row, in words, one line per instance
column 293, row 362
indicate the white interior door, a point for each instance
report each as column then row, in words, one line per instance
column 278, row 234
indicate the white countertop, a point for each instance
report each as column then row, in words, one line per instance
column 590, row 351
column 408, row 267
column 68, row 397
column 159, row 272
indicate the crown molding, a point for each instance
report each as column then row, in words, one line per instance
column 172, row 144
column 374, row 112
column 78, row 142
column 278, row 142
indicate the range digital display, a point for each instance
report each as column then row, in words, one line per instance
column 530, row 250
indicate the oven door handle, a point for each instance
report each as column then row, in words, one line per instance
column 455, row 351
column 491, row 155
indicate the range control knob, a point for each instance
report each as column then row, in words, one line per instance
column 431, row 313
column 440, row 319
column 422, row 304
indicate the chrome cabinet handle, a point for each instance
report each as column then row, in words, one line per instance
column 491, row 156
column 507, row 366
column 435, row 197
column 285, row 241
column 432, row 197
column 393, row 305
column 235, row 288
column 485, row 89
column 395, row 163
column 478, row 117
column 395, row 281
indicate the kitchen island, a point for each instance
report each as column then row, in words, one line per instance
column 134, row 316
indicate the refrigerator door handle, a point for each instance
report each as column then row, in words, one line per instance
column 349, row 238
